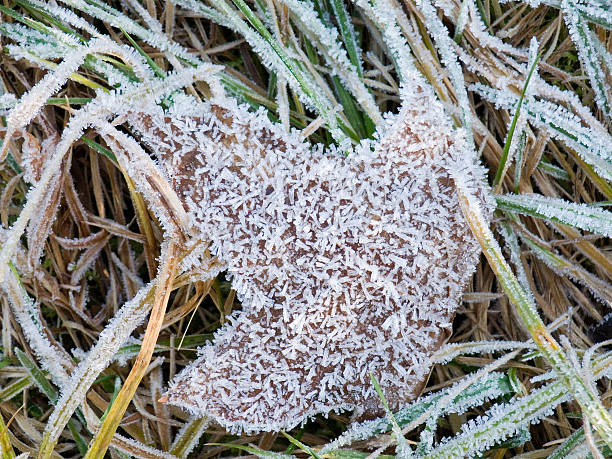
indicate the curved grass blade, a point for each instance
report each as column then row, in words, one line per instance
column 256, row 451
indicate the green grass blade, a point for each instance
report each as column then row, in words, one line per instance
column 156, row 68
column 403, row 448
column 583, row 392
column 572, row 441
column 517, row 111
column 38, row 377
column 348, row 34
column 256, row 451
column 302, row 446
column 15, row 388
column 553, row 171
column 492, row 386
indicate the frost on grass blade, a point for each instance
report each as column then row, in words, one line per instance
column 446, row 49
column 591, row 143
column 490, row 387
column 327, row 41
column 345, row 266
column 585, row 40
column 583, row 216
column 385, row 14
column 502, row 421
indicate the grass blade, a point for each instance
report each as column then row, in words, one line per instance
column 532, row 65
column 113, row 417
column 585, row 217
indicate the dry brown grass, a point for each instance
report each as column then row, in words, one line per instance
column 91, row 196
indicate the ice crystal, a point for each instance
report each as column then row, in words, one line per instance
column 345, row 266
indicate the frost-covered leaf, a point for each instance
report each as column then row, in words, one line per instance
column 288, row 231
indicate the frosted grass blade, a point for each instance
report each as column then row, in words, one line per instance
column 445, row 47
column 583, row 216
column 583, row 38
column 492, row 386
column 595, row 11
column 583, row 392
column 188, row 436
column 505, row 419
column 37, row 375
column 403, row 448
column 600, row 288
column 16, row 388
column 592, row 145
column 532, row 65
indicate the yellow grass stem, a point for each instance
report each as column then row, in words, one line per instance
column 166, row 276
column 144, row 221
column 6, row 449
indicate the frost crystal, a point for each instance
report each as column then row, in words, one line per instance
column 345, row 266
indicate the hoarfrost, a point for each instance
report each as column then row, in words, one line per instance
column 345, row 266
column 502, row 421
column 584, row 40
column 591, row 143
column 446, row 48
